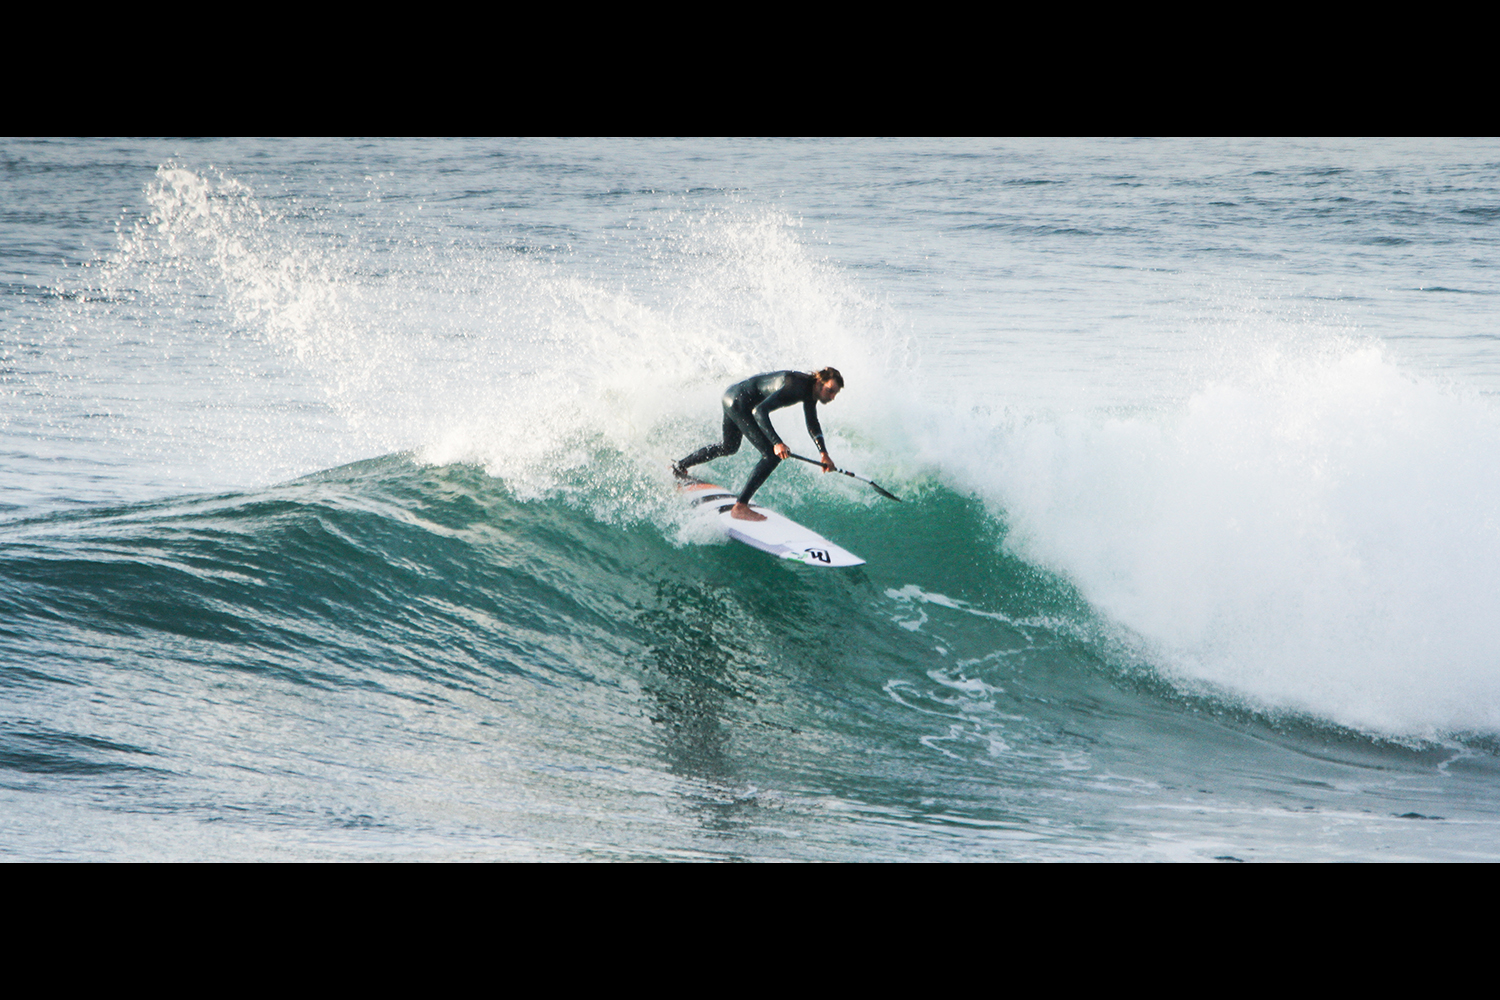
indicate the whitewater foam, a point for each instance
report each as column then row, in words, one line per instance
column 1321, row 535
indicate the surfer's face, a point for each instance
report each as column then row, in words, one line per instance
column 827, row 390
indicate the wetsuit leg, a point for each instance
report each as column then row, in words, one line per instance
column 764, row 468
column 739, row 424
column 730, row 445
column 745, row 421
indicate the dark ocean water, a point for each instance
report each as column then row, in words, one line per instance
column 334, row 520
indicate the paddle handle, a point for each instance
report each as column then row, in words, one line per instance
column 878, row 488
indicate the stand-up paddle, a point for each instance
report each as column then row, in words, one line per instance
column 878, row 488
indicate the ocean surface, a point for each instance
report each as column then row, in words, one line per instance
column 335, row 520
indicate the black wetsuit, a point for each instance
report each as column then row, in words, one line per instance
column 747, row 414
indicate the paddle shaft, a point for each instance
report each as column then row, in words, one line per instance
column 878, row 488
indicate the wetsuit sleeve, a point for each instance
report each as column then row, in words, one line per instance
column 785, row 396
column 810, row 408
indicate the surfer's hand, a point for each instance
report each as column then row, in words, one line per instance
column 828, row 465
column 782, row 451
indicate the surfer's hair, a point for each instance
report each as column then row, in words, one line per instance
column 830, row 375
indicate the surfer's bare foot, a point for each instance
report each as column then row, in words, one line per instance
column 742, row 512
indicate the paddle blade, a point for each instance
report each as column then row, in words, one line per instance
column 883, row 491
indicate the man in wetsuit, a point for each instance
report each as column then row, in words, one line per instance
column 747, row 414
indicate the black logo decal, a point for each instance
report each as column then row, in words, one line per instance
column 819, row 554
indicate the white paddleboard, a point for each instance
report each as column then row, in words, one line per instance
column 777, row 534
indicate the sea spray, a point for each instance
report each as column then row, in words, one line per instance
column 545, row 376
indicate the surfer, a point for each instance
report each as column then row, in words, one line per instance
column 747, row 414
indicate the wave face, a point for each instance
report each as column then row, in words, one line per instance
column 336, row 521
column 401, row 658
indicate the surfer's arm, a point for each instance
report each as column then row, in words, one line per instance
column 815, row 430
column 785, row 396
